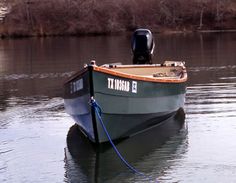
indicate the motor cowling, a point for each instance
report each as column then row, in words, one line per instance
column 142, row 45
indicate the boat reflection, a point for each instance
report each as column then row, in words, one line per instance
column 85, row 162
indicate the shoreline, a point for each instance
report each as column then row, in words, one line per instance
column 192, row 31
column 160, row 32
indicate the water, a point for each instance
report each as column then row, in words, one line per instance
column 34, row 146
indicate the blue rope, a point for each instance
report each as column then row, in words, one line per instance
column 98, row 111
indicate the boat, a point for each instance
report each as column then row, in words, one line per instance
column 131, row 98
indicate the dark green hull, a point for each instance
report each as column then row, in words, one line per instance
column 128, row 106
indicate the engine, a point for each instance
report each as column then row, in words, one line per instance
column 142, row 46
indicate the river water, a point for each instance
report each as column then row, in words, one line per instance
column 39, row 142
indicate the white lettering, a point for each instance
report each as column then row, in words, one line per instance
column 127, row 87
column 118, row 84
column 110, row 83
column 76, row 86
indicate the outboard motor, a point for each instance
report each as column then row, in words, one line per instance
column 142, row 46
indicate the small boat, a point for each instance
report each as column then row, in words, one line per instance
column 132, row 98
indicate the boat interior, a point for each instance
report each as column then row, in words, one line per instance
column 170, row 70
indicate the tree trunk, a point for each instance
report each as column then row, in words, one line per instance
column 217, row 11
column 201, row 18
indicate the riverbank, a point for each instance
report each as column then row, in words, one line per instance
column 156, row 31
column 7, row 30
column 76, row 18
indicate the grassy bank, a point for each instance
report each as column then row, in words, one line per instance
column 78, row 17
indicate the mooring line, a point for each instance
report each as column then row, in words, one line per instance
column 98, row 112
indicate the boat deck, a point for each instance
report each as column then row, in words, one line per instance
column 156, row 71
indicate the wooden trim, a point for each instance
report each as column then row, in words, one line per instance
column 129, row 66
column 142, row 78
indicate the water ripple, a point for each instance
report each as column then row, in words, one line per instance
column 36, row 76
column 213, row 68
column 212, row 100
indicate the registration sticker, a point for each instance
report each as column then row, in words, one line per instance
column 134, row 86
